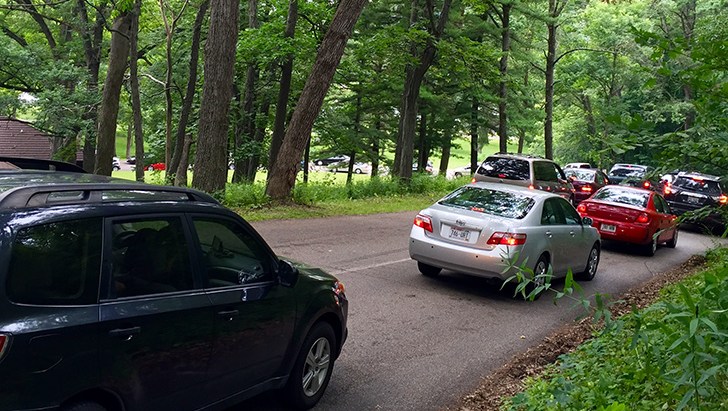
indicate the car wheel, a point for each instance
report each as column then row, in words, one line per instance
column 312, row 370
column 150, row 168
column 428, row 270
column 539, row 276
column 116, row 168
column 357, row 171
column 651, row 248
column 673, row 241
column 458, row 175
column 84, row 406
column 592, row 263
column 319, row 163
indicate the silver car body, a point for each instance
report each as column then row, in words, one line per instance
column 564, row 245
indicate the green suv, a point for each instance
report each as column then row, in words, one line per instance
column 123, row 296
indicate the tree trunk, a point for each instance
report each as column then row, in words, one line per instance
column 260, row 127
column 180, row 177
column 283, row 173
column 446, row 145
column 284, row 90
column 136, row 105
column 169, row 32
column 503, row 88
column 555, row 9
column 211, row 163
column 474, row 123
column 181, row 134
column 109, row 109
column 422, row 149
column 375, row 147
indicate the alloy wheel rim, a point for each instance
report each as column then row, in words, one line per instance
column 316, row 367
column 538, row 278
column 593, row 261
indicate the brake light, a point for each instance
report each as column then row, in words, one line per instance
column 643, row 218
column 499, row 238
column 667, row 189
column 581, row 208
column 646, row 184
column 4, row 343
column 472, row 180
column 423, row 222
column 587, row 189
column 530, row 186
column 723, row 199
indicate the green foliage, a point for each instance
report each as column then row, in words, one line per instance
column 671, row 355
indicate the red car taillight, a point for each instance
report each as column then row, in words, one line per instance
column 587, row 189
column 423, row 222
column 473, row 180
column 646, row 184
column 643, row 218
column 499, row 238
column 4, row 343
column 723, row 199
column 581, row 208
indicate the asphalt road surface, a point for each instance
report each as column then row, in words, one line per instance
column 418, row 343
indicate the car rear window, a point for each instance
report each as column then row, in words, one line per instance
column 494, row 202
column 580, row 174
column 505, row 168
column 627, row 172
column 711, row 188
column 629, row 197
column 56, row 264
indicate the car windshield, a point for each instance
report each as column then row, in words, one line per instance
column 580, row 174
column 711, row 188
column 506, row 168
column 629, row 197
column 494, row 202
column 627, row 172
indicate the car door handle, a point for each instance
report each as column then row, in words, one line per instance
column 548, row 233
column 571, row 233
column 228, row 314
column 127, row 333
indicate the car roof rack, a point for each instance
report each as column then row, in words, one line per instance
column 38, row 164
column 73, row 193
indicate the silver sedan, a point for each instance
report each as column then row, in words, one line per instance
column 481, row 227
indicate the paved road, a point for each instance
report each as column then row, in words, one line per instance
column 417, row 343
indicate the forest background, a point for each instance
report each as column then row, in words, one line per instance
column 269, row 83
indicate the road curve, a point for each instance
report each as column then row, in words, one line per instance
column 417, row 343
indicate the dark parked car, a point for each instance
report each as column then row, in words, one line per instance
column 586, row 181
column 525, row 170
column 125, row 296
column 634, row 175
column 686, row 192
column 330, row 160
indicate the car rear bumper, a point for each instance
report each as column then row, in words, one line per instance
column 473, row 261
column 627, row 233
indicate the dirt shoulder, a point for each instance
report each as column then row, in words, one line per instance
column 508, row 379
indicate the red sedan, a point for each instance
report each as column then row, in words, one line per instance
column 156, row 167
column 586, row 181
column 632, row 215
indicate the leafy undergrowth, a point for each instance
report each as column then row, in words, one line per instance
column 671, row 355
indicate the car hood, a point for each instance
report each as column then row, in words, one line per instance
column 309, row 271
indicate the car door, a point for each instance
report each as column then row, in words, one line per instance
column 254, row 315
column 665, row 218
column 579, row 241
column 155, row 328
column 557, row 234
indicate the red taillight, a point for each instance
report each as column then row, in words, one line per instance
column 423, row 222
column 499, row 238
column 530, row 186
column 472, row 180
column 723, row 199
column 4, row 342
column 581, row 208
column 643, row 218
column 646, row 184
column 667, row 190
column 587, row 189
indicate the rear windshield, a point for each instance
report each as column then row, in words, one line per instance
column 580, row 174
column 497, row 203
column 711, row 188
column 627, row 172
column 617, row 195
column 505, row 168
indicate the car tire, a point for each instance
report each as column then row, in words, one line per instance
column 319, row 163
column 673, row 241
column 150, row 168
column 592, row 263
column 541, row 267
column 428, row 270
column 312, row 370
column 458, row 174
column 84, row 406
column 651, row 248
column 357, row 171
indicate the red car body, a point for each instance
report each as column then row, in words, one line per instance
column 156, row 167
column 586, row 181
column 631, row 215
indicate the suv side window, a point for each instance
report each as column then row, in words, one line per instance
column 231, row 255
column 543, row 171
column 552, row 213
column 56, row 264
column 151, row 256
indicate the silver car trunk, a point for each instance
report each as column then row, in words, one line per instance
column 465, row 227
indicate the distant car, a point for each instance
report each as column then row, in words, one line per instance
column 525, row 170
column 460, row 171
column 578, row 165
column 330, row 160
column 429, row 167
column 686, row 192
column 343, row 167
column 634, row 175
column 115, row 164
column 586, row 181
column 157, row 167
column 632, row 215
column 472, row 230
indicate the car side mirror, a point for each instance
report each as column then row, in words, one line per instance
column 287, row 273
column 587, row 221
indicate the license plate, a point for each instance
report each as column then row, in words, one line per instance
column 459, row 234
column 693, row 200
column 608, row 228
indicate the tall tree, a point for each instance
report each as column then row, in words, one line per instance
column 556, row 7
column 134, row 80
column 211, row 156
column 283, row 173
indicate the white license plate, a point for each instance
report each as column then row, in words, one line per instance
column 459, row 234
column 693, row 200
column 608, row 228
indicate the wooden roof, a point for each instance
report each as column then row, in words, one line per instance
column 19, row 138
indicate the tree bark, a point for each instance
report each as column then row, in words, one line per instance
column 555, row 9
column 284, row 89
column 503, row 87
column 474, row 123
column 136, row 105
column 283, row 173
column 109, row 109
column 211, row 163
